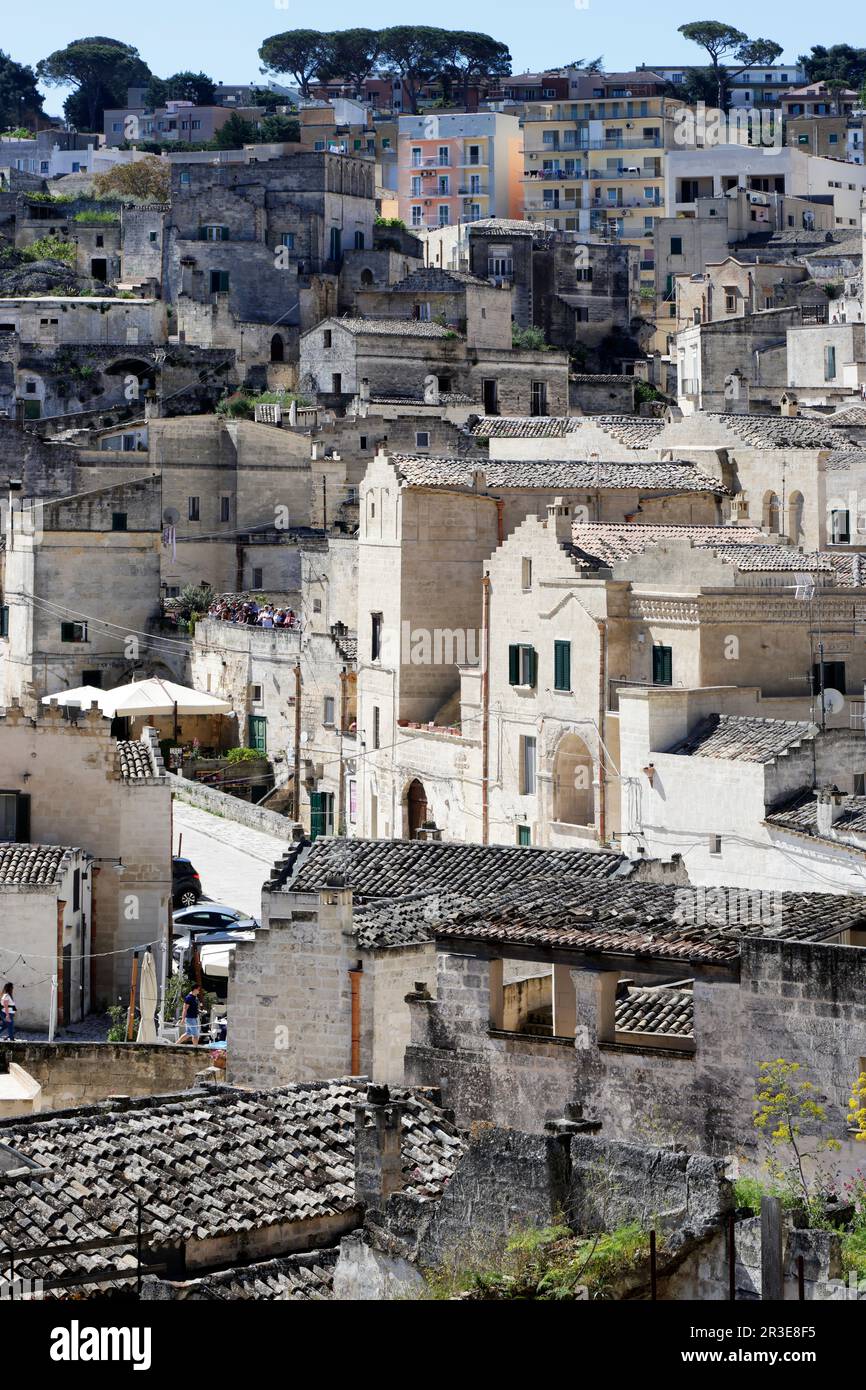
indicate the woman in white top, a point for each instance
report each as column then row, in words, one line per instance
column 7, row 1011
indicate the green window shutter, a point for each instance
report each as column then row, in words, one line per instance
column 562, row 665
column 4, row 620
column 523, row 835
column 533, row 666
column 224, row 233
column 317, row 814
column 662, row 666
column 513, row 665
column 202, row 234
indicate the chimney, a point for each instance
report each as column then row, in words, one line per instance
column 378, row 1148
column 559, row 519
column 828, row 809
column 788, row 406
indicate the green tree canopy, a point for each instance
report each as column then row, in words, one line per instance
column 182, row 86
column 99, row 70
column 471, row 58
column 20, row 98
column 351, row 54
column 840, row 61
column 416, row 53
column 720, row 41
column 298, row 52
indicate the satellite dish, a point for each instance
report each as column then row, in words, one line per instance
column 171, row 516
column 833, row 702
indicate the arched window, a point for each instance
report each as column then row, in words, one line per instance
column 278, row 349
column 366, row 278
column 770, row 513
column 573, row 794
column 416, row 808
column 795, row 517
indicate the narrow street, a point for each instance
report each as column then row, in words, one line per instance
column 232, row 860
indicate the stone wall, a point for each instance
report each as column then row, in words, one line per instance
column 230, row 807
column 76, row 1074
column 795, row 1000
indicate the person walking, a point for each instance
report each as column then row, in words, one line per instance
column 189, row 1019
column 8, row 1011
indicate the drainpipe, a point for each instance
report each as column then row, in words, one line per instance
column 296, row 788
column 602, row 702
column 355, row 983
column 500, row 520
column 485, row 708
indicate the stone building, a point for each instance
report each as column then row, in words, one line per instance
column 347, row 932
column 754, row 802
column 253, row 252
column 661, row 1005
column 339, row 356
column 46, row 915
column 71, row 783
column 80, row 583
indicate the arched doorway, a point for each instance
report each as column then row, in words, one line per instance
column 278, row 349
column 770, row 513
column 416, row 808
column 573, row 795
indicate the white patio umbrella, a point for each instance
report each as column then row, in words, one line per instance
column 83, row 695
column 148, row 995
column 157, row 696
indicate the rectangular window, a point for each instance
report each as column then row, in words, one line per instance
column 214, row 233
column 14, row 817
column 73, row 632
column 219, row 281
column 522, row 665
column 258, row 578
column 527, row 765
column 526, row 573
column 715, row 844
column 829, row 364
column 328, row 715
column 676, row 246
column 840, row 527
column 256, row 694
column 326, row 338
column 4, row 620
column 353, row 800
column 376, row 727
column 422, row 439
column 562, row 665
column 225, row 508
column 288, row 240
column 362, row 441
column 583, row 276
column 662, row 665
column 118, row 521
column 538, row 398
column 834, row 677
column 375, row 636
column 524, row 835
column 193, row 509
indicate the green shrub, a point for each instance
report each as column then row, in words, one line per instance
column 243, row 755
column 51, row 248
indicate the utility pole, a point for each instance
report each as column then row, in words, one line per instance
column 296, row 788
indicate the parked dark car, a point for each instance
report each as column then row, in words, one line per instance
column 186, row 888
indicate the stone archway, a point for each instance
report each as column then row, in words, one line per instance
column 278, row 348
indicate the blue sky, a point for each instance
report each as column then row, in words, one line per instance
column 221, row 37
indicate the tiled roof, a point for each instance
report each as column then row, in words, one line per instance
column 854, row 417
column 745, row 547
column 741, row 738
column 638, row 919
column 394, row 328
column 445, row 398
column 376, row 869
column 434, row 280
column 135, row 761
column 420, row 470
column 777, row 431
column 31, row 864
column 203, row 1164
column 800, row 814
column 308, row 1277
column 842, row 460
column 510, row 226
column 603, row 378
column 632, row 431
column 659, row 1009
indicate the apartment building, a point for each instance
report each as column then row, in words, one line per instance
column 700, row 171
column 597, row 163
column 177, row 122
column 758, row 86
column 458, row 167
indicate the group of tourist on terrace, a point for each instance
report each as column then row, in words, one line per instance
column 248, row 611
